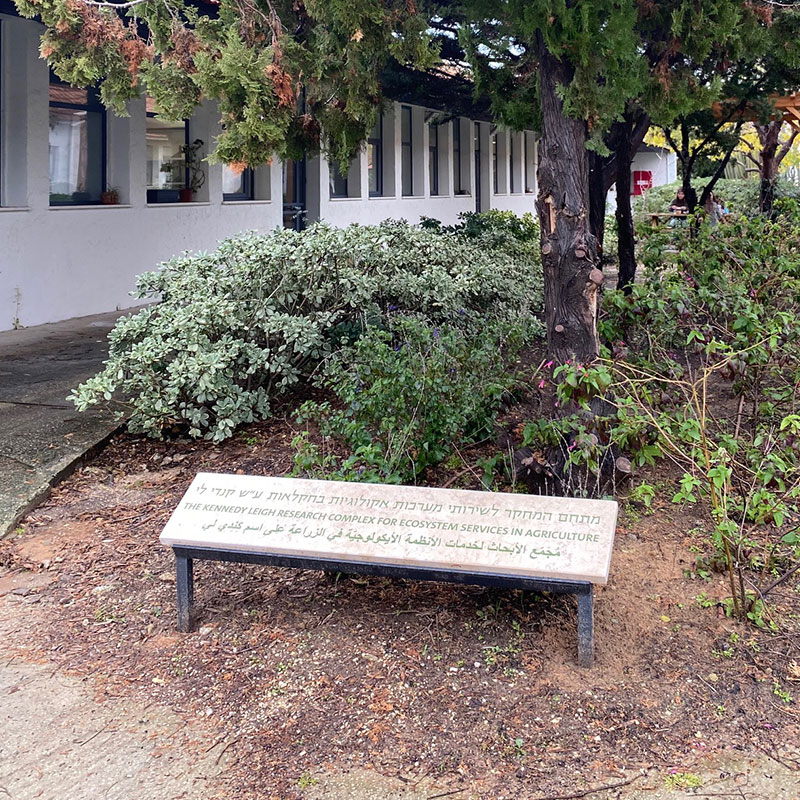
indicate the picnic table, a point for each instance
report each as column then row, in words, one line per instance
column 657, row 217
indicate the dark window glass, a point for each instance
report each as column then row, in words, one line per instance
column 433, row 151
column 527, row 165
column 512, row 187
column 237, row 184
column 77, row 145
column 375, row 159
column 338, row 182
column 458, row 185
column 406, row 151
column 494, row 164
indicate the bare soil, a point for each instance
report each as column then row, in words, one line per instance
column 306, row 681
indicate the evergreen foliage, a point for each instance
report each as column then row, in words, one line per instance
column 239, row 326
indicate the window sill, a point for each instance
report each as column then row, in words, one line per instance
column 14, row 208
column 178, row 205
column 94, row 206
column 245, row 202
column 344, row 199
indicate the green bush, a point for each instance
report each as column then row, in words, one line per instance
column 236, row 327
column 707, row 356
column 404, row 395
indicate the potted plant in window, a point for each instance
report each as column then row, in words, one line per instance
column 195, row 175
column 110, row 197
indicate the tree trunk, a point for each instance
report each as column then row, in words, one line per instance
column 720, row 170
column 626, row 137
column 597, row 198
column 626, row 242
column 569, row 250
column 687, row 162
column 768, row 163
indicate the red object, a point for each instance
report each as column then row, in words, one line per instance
column 642, row 181
column 186, row 195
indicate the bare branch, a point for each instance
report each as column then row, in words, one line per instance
column 787, row 146
column 115, row 6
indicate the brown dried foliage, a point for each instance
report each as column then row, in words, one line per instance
column 763, row 11
column 282, row 84
column 184, row 45
column 662, row 66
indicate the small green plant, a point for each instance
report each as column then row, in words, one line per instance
column 683, row 780
column 643, row 493
column 191, row 162
column 306, row 781
column 404, row 396
column 780, row 692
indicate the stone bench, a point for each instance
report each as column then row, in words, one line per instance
column 507, row 541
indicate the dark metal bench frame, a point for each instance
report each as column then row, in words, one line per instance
column 185, row 556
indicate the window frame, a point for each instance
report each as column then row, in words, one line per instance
column 495, row 165
column 433, row 159
column 377, row 158
column 333, row 170
column 93, row 105
column 410, row 146
column 526, row 168
column 186, row 141
column 511, row 170
column 458, row 173
column 248, row 186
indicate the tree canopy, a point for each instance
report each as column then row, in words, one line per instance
column 294, row 76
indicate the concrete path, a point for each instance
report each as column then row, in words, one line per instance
column 42, row 436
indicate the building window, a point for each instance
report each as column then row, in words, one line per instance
column 530, row 161
column 511, row 165
column 338, row 182
column 495, row 164
column 166, row 160
column 237, row 184
column 433, row 158
column 458, row 183
column 77, row 145
column 375, row 159
column 406, row 151
column 525, row 156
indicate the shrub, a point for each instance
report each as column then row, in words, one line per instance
column 404, row 395
column 730, row 314
column 238, row 326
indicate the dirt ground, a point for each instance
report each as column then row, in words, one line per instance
column 301, row 685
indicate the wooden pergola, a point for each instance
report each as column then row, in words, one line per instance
column 789, row 106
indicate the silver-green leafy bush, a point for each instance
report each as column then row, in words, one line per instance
column 235, row 328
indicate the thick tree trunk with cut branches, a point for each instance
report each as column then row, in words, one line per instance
column 569, row 250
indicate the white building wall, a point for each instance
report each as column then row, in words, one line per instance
column 58, row 262
column 663, row 165
column 66, row 261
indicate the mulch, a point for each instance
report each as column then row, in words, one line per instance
column 301, row 674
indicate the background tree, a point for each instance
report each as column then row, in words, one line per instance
column 765, row 148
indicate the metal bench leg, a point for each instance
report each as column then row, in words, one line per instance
column 185, row 587
column 586, row 628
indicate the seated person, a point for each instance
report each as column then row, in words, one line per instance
column 680, row 208
column 679, row 204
